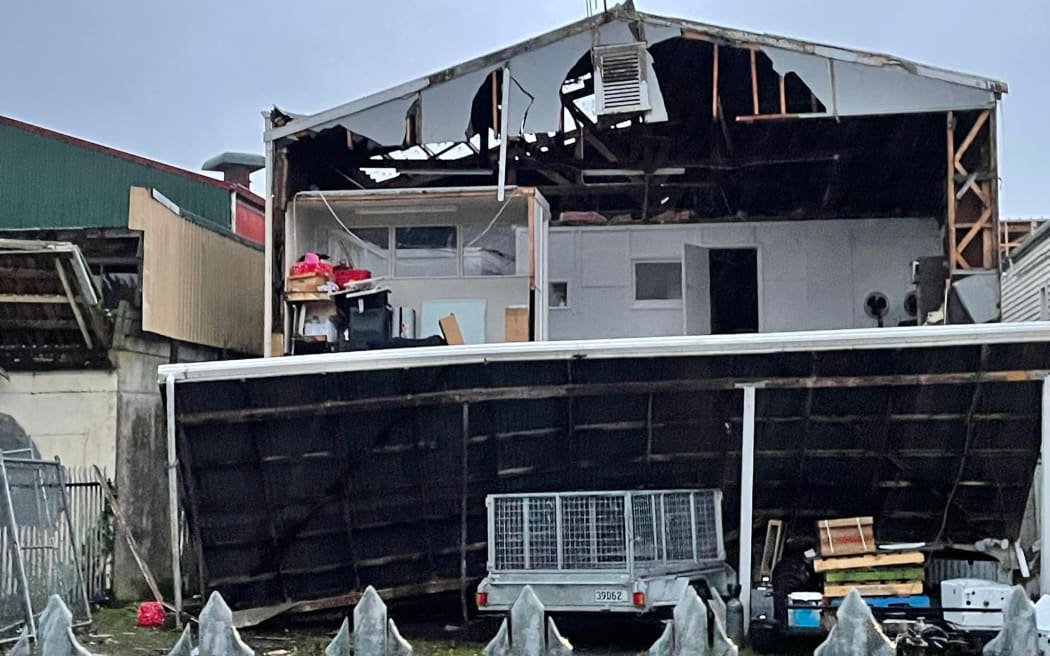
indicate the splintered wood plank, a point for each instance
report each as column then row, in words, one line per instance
column 877, row 574
column 875, row 589
column 869, row 561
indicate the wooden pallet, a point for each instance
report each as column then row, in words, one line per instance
column 869, row 561
column 876, row 575
column 876, row 589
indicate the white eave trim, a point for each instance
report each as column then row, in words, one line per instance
column 649, row 347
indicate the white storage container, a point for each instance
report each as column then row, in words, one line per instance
column 804, row 618
column 983, row 596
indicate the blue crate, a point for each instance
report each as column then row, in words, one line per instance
column 911, row 601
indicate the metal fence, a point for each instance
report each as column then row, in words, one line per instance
column 604, row 530
column 37, row 540
column 93, row 528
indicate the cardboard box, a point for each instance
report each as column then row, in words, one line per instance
column 516, row 323
column 450, row 329
column 846, row 537
column 309, row 282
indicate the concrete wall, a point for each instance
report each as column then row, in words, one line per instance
column 812, row 274
column 142, row 451
column 71, row 415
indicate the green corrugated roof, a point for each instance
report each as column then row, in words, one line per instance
column 49, row 180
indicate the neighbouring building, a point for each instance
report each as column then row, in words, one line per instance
column 1026, row 278
column 111, row 264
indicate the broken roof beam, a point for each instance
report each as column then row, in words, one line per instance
column 535, row 392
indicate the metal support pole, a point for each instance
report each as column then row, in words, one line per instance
column 747, row 488
column 16, row 549
column 463, row 516
column 504, row 125
column 1044, row 494
column 173, row 501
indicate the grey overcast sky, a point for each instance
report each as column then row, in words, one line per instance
column 181, row 80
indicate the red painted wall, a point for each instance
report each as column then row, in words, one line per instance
column 250, row 223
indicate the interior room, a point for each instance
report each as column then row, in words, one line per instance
column 423, row 258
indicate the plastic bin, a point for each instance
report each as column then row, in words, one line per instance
column 804, row 618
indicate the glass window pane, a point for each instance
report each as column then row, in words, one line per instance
column 489, row 251
column 559, row 295
column 363, row 248
column 657, row 281
column 425, row 251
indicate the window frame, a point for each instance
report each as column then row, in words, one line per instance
column 550, row 295
column 657, row 303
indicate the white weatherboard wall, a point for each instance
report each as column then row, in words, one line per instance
column 1026, row 285
column 72, row 415
column 812, row 274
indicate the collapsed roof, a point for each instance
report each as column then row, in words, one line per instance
column 723, row 123
column 309, row 477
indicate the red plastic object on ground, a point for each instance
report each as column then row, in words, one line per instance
column 151, row 614
column 343, row 276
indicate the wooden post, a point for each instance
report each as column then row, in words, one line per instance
column 953, row 256
column 754, row 82
column 714, row 85
column 783, row 97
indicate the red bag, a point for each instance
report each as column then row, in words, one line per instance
column 151, row 614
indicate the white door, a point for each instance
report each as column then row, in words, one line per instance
column 696, row 289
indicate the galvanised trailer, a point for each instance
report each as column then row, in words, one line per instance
column 625, row 551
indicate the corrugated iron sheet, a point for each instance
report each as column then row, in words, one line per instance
column 315, row 483
column 49, row 316
column 1026, row 281
column 49, row 180
column 198, row 285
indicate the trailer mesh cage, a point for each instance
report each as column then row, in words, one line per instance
column 604, row 530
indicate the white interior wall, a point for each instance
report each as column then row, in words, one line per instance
column 71, row 415
column 316, row 229
column 812, row 274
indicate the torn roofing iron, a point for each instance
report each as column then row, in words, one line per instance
column 50, row 313
column 305, row 482
column 848, row 82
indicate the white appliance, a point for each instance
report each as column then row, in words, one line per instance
column 983, row 596
column 1042, row 622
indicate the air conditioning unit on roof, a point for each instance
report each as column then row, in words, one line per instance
column 620, row 85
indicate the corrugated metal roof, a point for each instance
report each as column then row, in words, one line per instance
column 53, row 180
column 307, row 481
column 49, row 308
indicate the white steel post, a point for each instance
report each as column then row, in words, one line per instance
column 1044, row 494
column 747, row 485
column 504, row 128
column 268, row 308
column 173, row 501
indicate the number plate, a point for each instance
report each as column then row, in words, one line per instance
column 610, row 596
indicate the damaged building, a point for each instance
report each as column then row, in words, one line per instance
column 109, row 265
column 770, row 170
column 771, row 229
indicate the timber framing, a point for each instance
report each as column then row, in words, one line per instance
column 972, row 191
